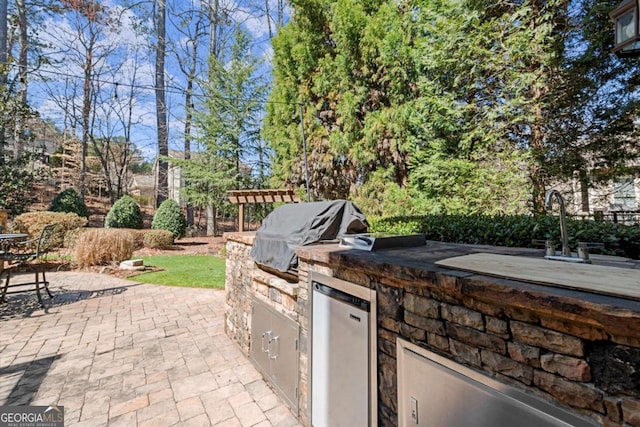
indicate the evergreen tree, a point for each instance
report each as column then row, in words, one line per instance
column 484, row 87
column 593, row 125
column 228, row 130
column 448, row 106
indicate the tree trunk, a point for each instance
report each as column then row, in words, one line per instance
column 3, row 62
column 584, row 190
column 213, row 34
column 3, row 40
column 22, row 78
column 538, row 188
column 267, row 12
column 188, row 119
column 161, row 106
column 212, row 221
column 536, row 169
column 86, row 113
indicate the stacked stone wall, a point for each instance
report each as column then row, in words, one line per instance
column 245, row 281
column 575, row 365
column 238, row 289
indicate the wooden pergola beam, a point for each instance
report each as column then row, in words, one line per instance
column 242, row 197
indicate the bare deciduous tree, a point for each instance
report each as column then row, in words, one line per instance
column 191, row 26
column 90, row 101
column 23, row 45
column 112, row 122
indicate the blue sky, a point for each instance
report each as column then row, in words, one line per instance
column 125, row 69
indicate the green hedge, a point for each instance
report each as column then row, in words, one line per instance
column 515, row 231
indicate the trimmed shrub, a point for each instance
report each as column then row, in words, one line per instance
column 100, row 246
column 69, row 201
column 125, row 213
column 169, row 217
column 514, row 231
column 158, row 239
column 32, row 223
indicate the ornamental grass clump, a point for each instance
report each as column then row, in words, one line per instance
column 169, row 217
column 99, row 246
column 125, row 213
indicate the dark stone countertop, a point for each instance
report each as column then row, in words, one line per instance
column 415, row 268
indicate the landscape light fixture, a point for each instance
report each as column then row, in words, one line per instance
column 627, row 31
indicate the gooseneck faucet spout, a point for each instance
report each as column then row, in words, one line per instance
column 566, row 251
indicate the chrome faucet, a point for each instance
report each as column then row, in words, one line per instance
column 566, row 251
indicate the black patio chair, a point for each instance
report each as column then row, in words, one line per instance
column 28, row 253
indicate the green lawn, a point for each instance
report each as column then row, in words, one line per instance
column 195, row 271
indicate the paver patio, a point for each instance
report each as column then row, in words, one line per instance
column 116, row 352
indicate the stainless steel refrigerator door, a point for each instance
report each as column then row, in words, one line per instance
column 340, row 364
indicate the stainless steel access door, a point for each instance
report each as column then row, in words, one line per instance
column 434, row 391
column 340, row 359
column 274, row 350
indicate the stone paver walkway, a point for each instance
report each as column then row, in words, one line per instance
column 116, row 352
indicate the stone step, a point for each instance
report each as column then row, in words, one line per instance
column 132, row 264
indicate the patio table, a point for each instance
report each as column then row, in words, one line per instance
column 5, row 243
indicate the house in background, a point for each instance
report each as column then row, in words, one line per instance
column 175, row 180
column 617, row 200
column 143, row 187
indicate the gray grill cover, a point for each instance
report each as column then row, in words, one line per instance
column 300, row 224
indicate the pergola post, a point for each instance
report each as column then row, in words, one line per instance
column 241, row 217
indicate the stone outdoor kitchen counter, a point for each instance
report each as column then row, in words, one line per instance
column 573, row 348
column 415, row 267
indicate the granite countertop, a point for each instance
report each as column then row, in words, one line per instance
column 415, row 267
column 416, row 262
column 413, row 261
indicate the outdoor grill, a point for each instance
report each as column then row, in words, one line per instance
column 298, row 224
column 337, row 221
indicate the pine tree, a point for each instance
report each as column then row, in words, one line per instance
column 449, row 106
column 228, row 130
